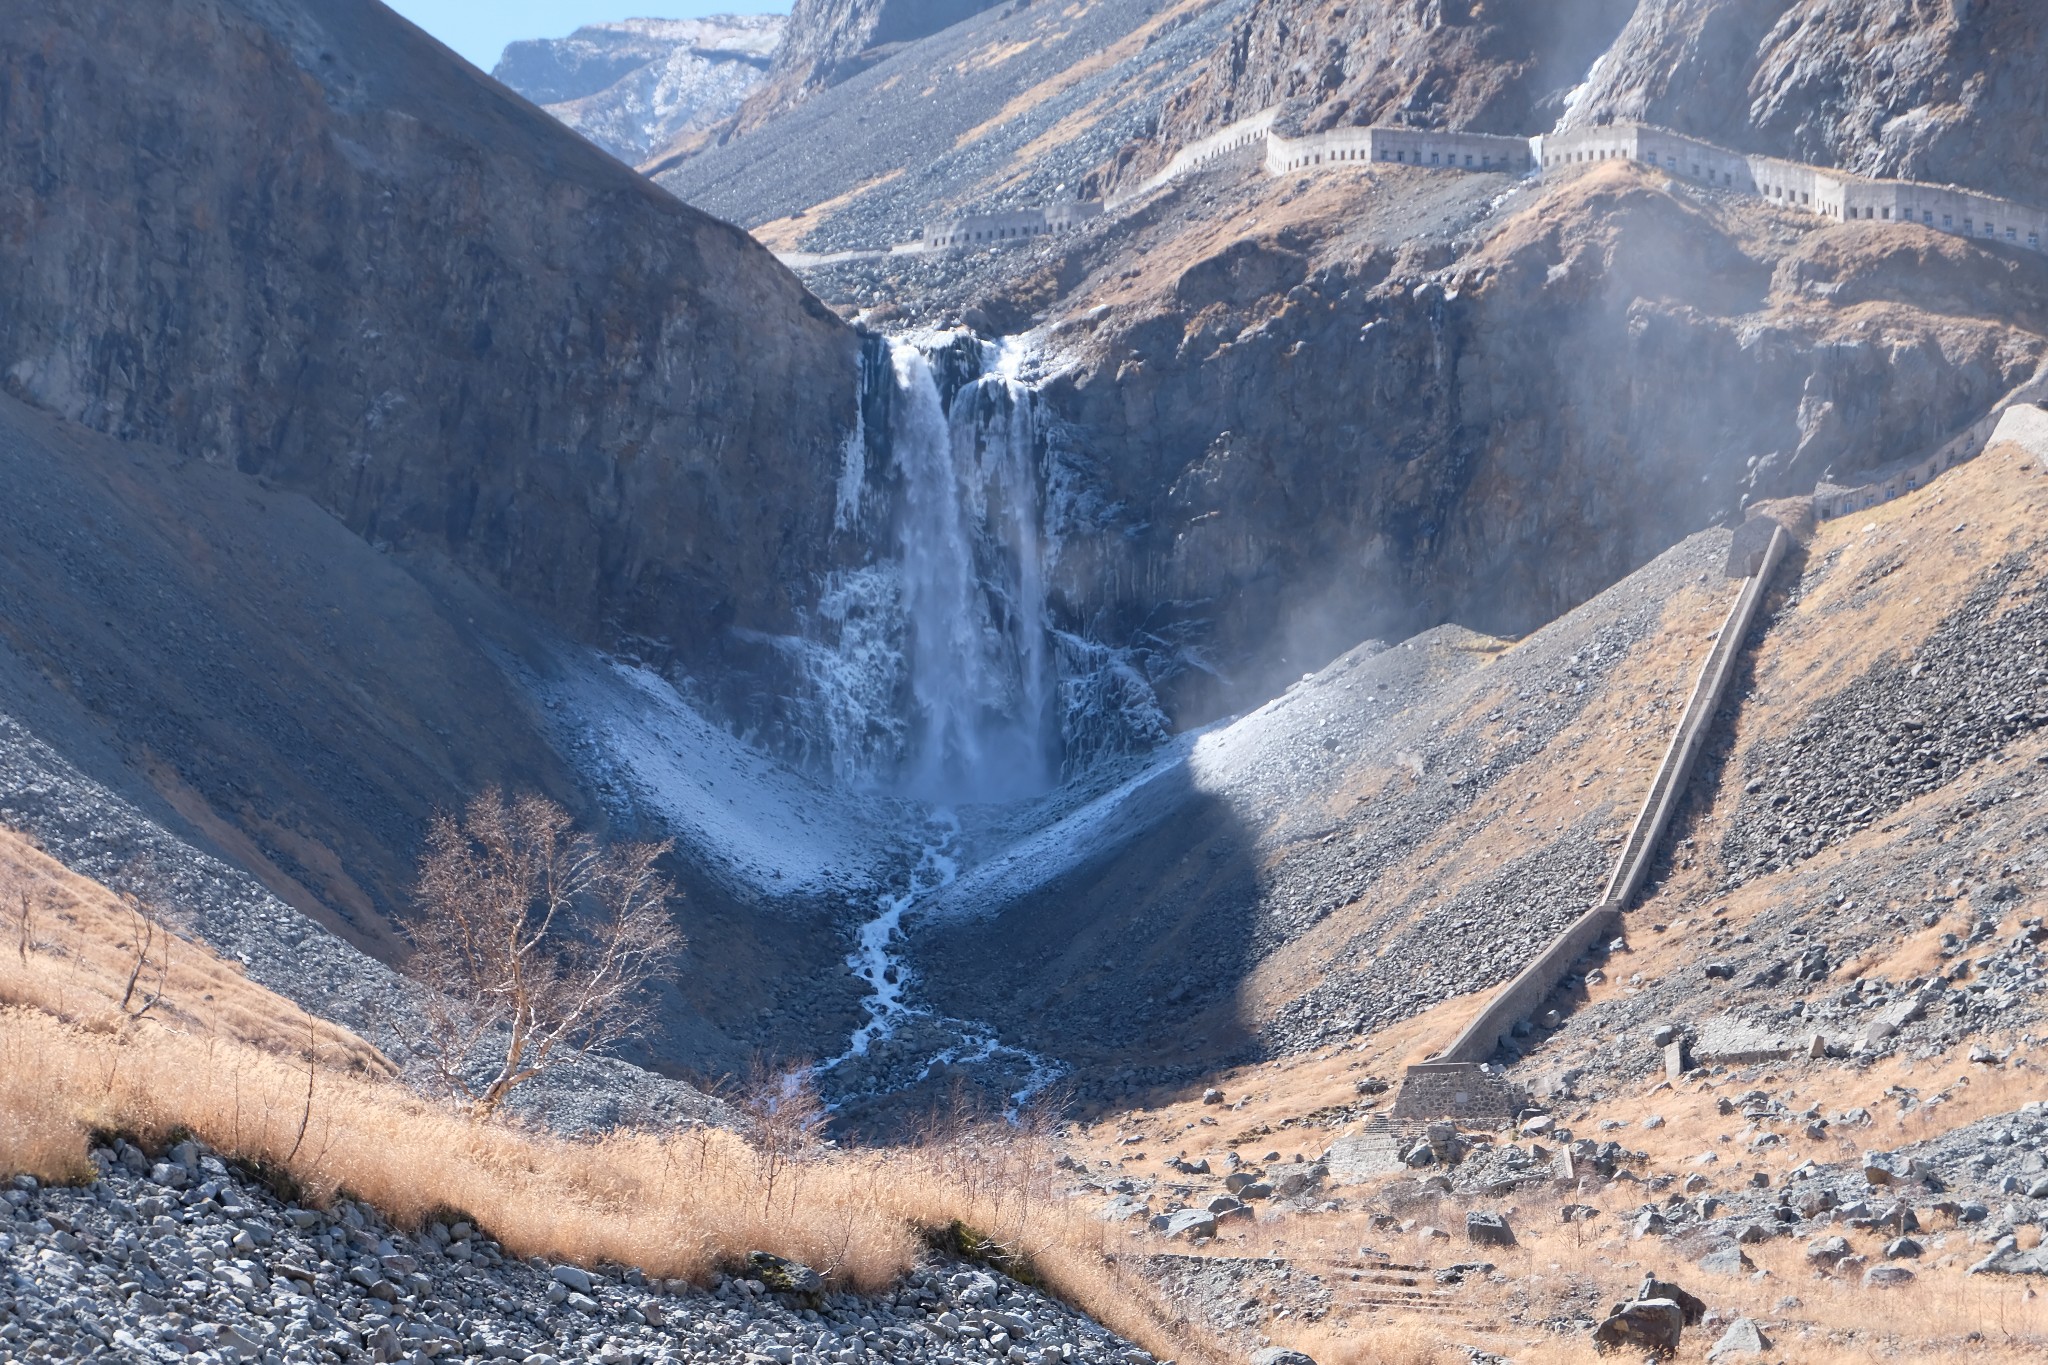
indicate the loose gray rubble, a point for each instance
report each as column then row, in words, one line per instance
column 177, row 1257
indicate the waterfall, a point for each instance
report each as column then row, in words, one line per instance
column 970, row 547
column 935, row 667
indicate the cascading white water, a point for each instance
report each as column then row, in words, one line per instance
column 972, row 585
column 933, row 666
column 937, row 670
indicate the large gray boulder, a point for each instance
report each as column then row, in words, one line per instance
column 1488, row 1229
column 1742, row 1340
column 1280, row 1355
column 1651, row 1325
column 1191, row 1223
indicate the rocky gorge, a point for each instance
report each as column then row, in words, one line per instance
column 1110, row 703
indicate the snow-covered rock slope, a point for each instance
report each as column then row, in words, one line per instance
column 635, row 86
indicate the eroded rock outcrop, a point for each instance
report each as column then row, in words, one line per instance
column 1947, row 91
column 829, row 40
column 1293, row 445
column 1496, row 68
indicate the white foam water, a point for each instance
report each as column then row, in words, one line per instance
column 973, row 585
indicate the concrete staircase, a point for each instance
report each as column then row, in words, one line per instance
column 1457, row 1082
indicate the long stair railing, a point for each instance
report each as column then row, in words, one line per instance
column 1518, row 999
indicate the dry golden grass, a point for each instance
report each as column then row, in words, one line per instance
column 85, row 946
column 677, row 1204
column 246, row 1072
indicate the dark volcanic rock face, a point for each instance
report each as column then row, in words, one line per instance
column 302, row 239
column 1941, row 90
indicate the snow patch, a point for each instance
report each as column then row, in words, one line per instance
column 760, row 823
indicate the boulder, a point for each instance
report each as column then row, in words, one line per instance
column 1652, row 1325
column 1653, row 1288
column 1280, row 1355
column 1191, row 1223
column 1827, row 1253
column 1488, row 1229
column 1727, row 1261
column 784, row 1277
column 1742, row 1339
column 2008, row 1259
column 1886, row 1277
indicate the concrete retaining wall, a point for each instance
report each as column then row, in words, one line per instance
column 1456, row 1090
column 1246, row 137
column 989, row 229
column 1829, row 193
column 2018, row 407
column 1676, row 769
column 1531, row 986
column 1400, row 146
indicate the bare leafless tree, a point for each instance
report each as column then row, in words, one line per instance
column 21, row 899
column 533, row 941
column 152, row 920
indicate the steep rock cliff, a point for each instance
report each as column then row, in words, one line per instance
column 301, row 238
column 1288, row 441
column 1496, row 67
column 1942, row 90
column 636, row 86
column 828, row 41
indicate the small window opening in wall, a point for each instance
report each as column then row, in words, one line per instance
column 1887, row 213
column 1927, row 215
column 1434, row 160
column 1468, row 158
column 2011, row 235
column 2034, row 240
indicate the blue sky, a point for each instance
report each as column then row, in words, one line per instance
column 479, row 29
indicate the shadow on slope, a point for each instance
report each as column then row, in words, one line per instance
column 268, row 688
column 1404, row 827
